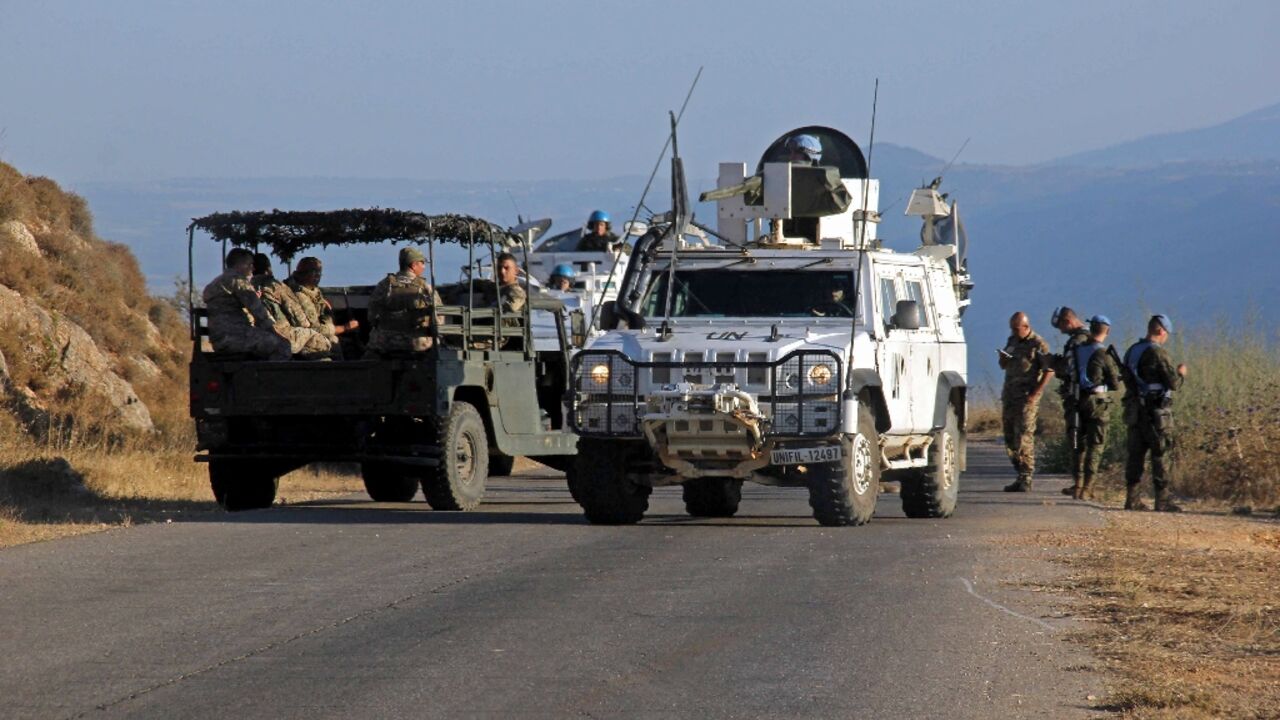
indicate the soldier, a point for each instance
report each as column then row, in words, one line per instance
column 598, row 236
column 238, row 321
column 400, row 308
column 511, row 295
column 305, row 284
column 1026, row 362
column 1099, row 377
column 562, row 278
column 1066, row 321
column 287, row 312
column 1148, row 413
column 803, row 150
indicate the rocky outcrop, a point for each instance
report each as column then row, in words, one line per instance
column 71, row 364
column 15, row 237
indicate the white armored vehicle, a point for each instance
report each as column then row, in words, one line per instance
column 799, row 352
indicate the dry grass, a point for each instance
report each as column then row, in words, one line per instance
column 48, row 492
column 1227, row 423
column 1184, row 611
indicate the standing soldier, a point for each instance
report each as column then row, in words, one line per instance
column 1025, row 360
column 1069, row 324
column 238, row 321
column 1148, row 413
column 400, row 308
column 1099, row 376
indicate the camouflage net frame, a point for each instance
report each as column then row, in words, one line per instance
column 290, row 232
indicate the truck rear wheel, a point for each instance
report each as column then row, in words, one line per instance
column 457, row 483
column 933, row 491
column 845, row 492
column 712, row 497
column 386, row 482
column 242, row 485
column 603, row 490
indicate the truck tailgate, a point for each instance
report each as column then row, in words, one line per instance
column 311, row 388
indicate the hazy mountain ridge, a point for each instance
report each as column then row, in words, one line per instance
column 1191, row 237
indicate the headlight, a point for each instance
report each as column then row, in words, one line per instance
column 820, row 374
column 600, row 374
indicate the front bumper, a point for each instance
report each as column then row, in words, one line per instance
column 702, row 429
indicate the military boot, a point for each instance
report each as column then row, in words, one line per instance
column 1022, row 484
column 1164, row 504
column 1133, row 498
column 1086, row 490
column 1073, row 490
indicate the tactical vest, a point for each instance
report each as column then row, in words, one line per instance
column 1084, row 353
column 1131, row 360
column 408, row 309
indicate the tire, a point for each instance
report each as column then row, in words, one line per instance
column 457, row 483
column 605, row 493
column 932, row 492
column 242, row 485
column 500, row 465
column 386, row 482
column 712, row 497
column 845, row 492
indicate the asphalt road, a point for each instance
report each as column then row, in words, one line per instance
column 351, row 609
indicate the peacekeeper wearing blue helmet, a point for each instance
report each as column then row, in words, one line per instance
column 804, row 150
column 562, row 278
column 1099, row 377
column 598, row 235
column 1148, row 413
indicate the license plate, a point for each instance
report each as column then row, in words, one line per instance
column 802, row 456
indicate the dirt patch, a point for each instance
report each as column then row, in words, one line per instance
column 1183, row 611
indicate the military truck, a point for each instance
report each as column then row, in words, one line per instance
column 442, row 420
column 798, row 351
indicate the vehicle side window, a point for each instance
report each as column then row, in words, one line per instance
column 915, row 291
column 888, row 299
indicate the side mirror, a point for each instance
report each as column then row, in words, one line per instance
column 578, row 328
column 907, row 315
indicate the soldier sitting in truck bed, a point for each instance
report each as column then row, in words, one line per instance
column 305, row 341
column 305, row 284
column 400, row 309
column 238, row 320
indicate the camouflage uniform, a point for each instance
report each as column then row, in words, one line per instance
column 1069, row 391
column 1022, row 375
column 400, row 314
column 291, row 319
column 1103, row 377
column 1150, row 423
column 239, row 322
column 316, row 308
column 512, row 298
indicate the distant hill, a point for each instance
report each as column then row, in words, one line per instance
column 1248, row 138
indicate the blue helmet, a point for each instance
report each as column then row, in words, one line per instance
column 809, row 145
column 598, row 216
column 1164, row 321
column 564, row 270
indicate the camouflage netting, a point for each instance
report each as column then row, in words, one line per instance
column 289, row 233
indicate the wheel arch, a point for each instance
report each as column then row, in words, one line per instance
column 952, row 392
column 866, row 381
column 479, row 399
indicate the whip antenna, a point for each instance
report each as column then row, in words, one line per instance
column 595, row 308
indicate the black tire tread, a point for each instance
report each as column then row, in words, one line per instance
column 922, row 493
column 601, row 486
column 438, row 485
column 388, row 483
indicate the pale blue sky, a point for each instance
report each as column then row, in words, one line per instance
column 556, row 89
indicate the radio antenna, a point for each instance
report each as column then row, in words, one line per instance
column 862, row 229
column 595, row 308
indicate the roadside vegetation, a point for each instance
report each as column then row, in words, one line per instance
column 1183, row 613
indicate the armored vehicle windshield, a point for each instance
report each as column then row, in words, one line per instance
column 729, row 292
